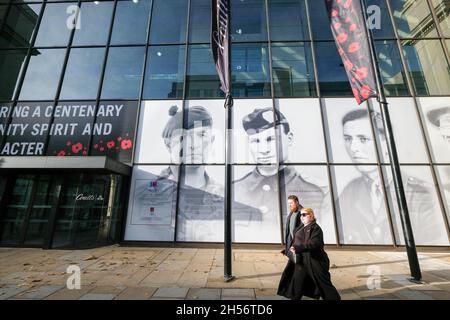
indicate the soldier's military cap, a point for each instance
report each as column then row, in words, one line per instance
column 262, row 119
column 196, row 116
column 434, row 115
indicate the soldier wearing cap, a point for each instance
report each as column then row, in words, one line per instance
column 361, row 203
column 256, row 195
column 200, row 214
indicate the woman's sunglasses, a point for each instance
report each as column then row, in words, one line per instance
column 304, row 214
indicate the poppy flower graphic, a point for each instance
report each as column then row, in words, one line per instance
column 353, row 47
column 341, row 51
column 126, row 144
column 101, row 149
column 342, row 37
column 119, row 138
column 61, row 153
column 348, row 65
column 77, row 147
column 365, row 91
column 348, row 3
column 110, row 144
column 84, row 153
column 334, row 13
column 337, row 25
column 352, row 27
column 356, row 94
column 361, row 73
column 69, row 143
column 95, row 146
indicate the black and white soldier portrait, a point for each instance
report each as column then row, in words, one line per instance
column 256, row 202
column 361, row 204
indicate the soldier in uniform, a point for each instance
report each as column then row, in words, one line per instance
column 256, row 211
column 201, row 203
column 361, row 203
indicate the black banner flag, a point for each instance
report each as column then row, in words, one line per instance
column 220, row 41
column 350, row 34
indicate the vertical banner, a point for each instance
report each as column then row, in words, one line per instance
column 350, row 35
column 220, row 41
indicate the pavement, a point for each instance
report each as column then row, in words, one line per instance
column 121, row 273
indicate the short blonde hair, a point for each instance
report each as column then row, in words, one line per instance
column 309, row 212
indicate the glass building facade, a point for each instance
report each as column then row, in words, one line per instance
column 134, row 81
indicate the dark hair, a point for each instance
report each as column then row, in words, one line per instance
column 361, row 114
column 292, row 197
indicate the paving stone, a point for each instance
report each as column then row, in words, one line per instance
column 10, row 291
column 141, row 293
column 203, row 294
column 38, row 293
column 171, row 293
column 98, row 296
column 66, row 294
column 238, row 293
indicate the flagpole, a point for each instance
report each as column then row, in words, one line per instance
column 395, row 166
column 228, row 160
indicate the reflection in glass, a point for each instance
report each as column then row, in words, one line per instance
column 42, row 75
column 130, row 22
column 201, row 204
column 53, row 30
column 95, row 23
column 123, row 73
column 293, row 70
column 250, row 70
column 152, row 203
column 202, row 79
column 288, row 20
column 392, row 73
column 168, row 21
column 442, row 10
column 443, row 175
column 310, row 185
column 248, row 21
column 413, row 19
column 20, row 25
column 200, row 21
column 333, row 80
column 256, row 204
column 320, row 24
column 165, row 72
column 361, row 212
column 82, row 74
column 427, row 67
column 11, row 63
column 381, row 24
column 422, row 201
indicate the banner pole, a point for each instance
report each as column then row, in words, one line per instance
column 395, row 166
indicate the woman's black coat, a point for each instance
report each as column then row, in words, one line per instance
column 312, row 277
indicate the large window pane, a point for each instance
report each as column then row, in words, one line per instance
column 82, row 73
column 54, row 30
column 130, row 22
column 165, row 72
column 413, row 19
column 288, row 20
column 361, row 210
column 11, row 64
column 443, row 174
column 250, row 70
column 442, row 10
column 248, row 20
column 202, row 79
column 42, row 75
column 95, row 23
column 381, row 24
column 333, row 80
column 392, row 73
column 19, row 26
column 427, row 67
column 320, row 24
column 169, row 21
column 123, row 73
column 201, row 204
column 292, row 70
column 200, row 21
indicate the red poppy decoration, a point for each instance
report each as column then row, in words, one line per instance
column 61, row 153
column 347, row 26
column 126, row 144
column 77, row 147
column 110, row 144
